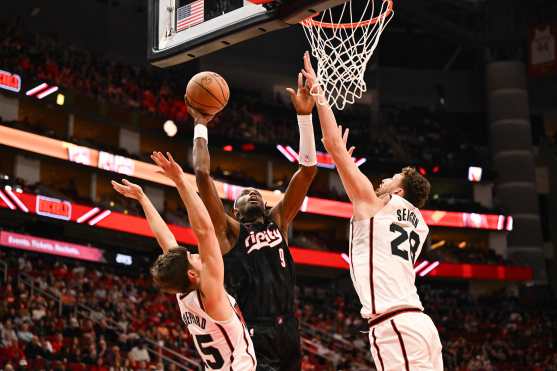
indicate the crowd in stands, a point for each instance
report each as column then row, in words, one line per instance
column 462, row 252
column 492, row 332
column 399, row 135
column 37, row 333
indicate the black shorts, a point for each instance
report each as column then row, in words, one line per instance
column 277, row 344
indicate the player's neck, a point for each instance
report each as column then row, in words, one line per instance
column 255, row 219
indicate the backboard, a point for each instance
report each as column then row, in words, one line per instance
column 182, row 30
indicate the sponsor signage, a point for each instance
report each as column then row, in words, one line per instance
column 10, row 81
column 53, row 207
column 98, row 218
column 52, row 247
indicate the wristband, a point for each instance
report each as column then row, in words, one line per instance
column 200, row 131
column 308, row 154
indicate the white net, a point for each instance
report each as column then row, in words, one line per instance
column 343, row 45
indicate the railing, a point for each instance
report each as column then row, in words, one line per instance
column 310, row 332
column 29, row 281
column 4, row 267
column 180, row 361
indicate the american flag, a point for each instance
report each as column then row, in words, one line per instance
column 190, row 15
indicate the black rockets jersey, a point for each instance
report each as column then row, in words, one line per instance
column 259, row 272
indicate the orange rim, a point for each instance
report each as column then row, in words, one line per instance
column 311, row 22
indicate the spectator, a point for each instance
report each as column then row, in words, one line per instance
column 139, row 353
column 24, row 334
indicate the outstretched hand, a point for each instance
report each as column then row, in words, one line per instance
column 128, row 189
column 344, row 137
column 168, row 166
column 302, row 100
column 309, row 74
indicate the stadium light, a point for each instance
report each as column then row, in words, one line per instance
column 60, row 99
column 475, row 173
column 170, row 128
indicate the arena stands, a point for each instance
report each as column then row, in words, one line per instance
column 401, row 135
column 490, row 332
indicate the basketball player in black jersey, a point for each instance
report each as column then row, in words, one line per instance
column 259, row 270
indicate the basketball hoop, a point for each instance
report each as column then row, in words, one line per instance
column 343, row 45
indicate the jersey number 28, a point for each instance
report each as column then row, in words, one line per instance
column 413, row 239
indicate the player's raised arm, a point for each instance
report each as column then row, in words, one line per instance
column 224, row 225
column 162, row 233
column 285, row 211
column 212, row 272
column 358, row 187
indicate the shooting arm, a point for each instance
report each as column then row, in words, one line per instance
column 226, row 228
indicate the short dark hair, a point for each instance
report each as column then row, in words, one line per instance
column 416, row 187
column 170, row 270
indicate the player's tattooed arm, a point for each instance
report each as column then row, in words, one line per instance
column 226, row 227
column 162, row 233
column 212, row 272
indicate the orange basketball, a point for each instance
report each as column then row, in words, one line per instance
column 207, row 92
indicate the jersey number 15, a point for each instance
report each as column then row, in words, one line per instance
column 413, row 240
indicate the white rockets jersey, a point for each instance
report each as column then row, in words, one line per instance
column 383, row 251
column 222, row 345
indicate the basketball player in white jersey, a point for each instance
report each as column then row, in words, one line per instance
column 210, row 314
column 386, row 237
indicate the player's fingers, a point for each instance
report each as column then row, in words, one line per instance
column 159, row 159
column 170, row 158
column 300, row 81
column 351, row 150
column 117, row 186
column 345, row 136
column 307, row 62
column 291, row 92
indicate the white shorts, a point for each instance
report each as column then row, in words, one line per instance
column 408, row 341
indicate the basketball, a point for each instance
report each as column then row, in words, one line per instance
column 207, row 92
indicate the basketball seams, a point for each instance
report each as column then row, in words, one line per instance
column 220, row 82
column 209, row 92
column 202, row 92
column 195, row 104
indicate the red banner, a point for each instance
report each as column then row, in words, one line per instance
column 9, row 81
column 52, row 247
column 96, row 217
column 542, row 50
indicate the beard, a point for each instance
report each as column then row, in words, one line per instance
column 252, row 211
